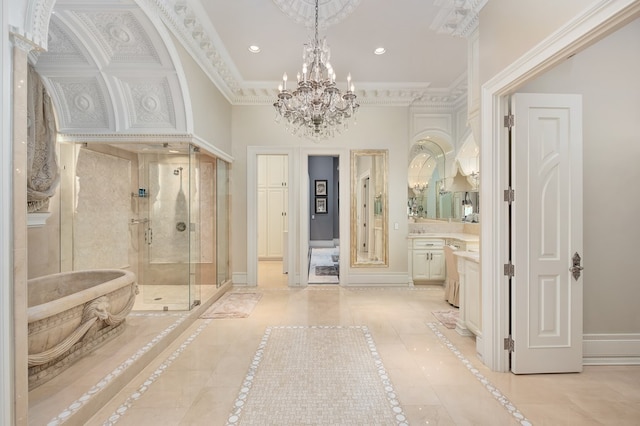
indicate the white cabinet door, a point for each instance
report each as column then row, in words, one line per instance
column 437, row 271
column 473, row 297
column 428, row 265
column 420, row 264
column 276, row 166
column 275, row 228
column 263, row 223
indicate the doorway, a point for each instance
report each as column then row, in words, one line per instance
column 272, row 205
column 323, row 259
column 493, row 156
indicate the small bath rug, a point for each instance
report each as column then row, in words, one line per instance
column 326, row 270
column 447, row 318
column 233, row 305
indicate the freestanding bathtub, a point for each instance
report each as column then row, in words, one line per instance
column 72, row 313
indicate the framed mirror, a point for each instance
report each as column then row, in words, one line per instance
column 369, row 208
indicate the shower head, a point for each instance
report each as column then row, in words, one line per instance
column 177, row 171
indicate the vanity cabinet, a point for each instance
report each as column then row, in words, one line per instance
column 427, row 259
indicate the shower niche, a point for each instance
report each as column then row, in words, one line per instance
column 159, row 210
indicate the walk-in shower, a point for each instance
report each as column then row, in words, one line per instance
column 159, row 210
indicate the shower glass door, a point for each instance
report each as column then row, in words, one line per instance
column 166, row 196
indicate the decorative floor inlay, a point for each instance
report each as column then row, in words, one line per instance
column 122, row 409
column 326, row 375
column 490, row 387
column 97, row 388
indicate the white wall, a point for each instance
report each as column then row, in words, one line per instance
column 210, row 109
column 509, row 28
column 606, row 74
column 376, row 128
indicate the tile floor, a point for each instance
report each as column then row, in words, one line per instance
column 435, row 372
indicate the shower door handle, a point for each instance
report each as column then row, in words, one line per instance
column 148, row 236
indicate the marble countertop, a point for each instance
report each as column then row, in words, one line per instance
column 469, row 238
column 473, row 256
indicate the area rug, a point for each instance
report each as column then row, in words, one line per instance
column 326, row 270
column 322, row 267
column 312, row 375
column 233, row 305
column 448, row 318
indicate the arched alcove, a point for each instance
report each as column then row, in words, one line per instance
column 110, row 69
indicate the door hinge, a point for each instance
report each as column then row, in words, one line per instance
column 509, row 195
column 509, row 269
column 509, row 121
column 509, row 344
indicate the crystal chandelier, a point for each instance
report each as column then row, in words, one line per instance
column 316, row 109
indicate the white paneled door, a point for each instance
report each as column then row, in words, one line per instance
column 546, row 298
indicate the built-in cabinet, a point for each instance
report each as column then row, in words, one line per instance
column 470, row 315
column 273, row 189
column 427, row 259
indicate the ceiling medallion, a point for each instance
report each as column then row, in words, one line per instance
column 316, row 109
column 331, row 11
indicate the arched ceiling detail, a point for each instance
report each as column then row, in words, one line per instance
column 109, row 71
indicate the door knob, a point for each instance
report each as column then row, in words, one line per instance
column 576, row 269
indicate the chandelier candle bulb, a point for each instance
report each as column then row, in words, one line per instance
column 284, row 81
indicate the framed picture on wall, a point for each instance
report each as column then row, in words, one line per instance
column 321, row 205
column 321, row 187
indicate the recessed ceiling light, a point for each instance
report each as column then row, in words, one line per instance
column 254, row 49
column 380, row 51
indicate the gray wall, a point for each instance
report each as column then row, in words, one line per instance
column 323, row 226
column 606, row 74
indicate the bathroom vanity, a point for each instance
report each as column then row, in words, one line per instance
column 426, row 253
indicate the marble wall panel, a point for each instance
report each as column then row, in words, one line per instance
column 101, row 219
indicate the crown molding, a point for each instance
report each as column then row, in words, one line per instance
column 187, row 21
column 126, row 137
column 201, row 41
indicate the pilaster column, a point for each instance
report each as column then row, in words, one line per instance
column 21, row 49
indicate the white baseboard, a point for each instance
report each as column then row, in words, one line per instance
column 611, row 349
column 379, row 279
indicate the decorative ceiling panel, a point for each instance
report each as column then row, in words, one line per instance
column 109, row 70
column 120, row 35
column 150, row 102
column 81, row 103
column 65, row 47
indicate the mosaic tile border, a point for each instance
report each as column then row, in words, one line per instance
column 128, row 403
column 490, row 387
column 68, row 412
column 332, row 287
column 396, row 408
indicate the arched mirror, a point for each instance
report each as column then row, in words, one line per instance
column 441, row 186
column 369, row 208
column 425, row 178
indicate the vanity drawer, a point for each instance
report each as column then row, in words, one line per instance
column 424, row 243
